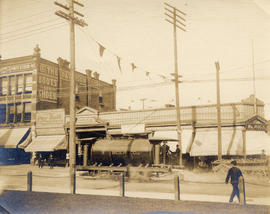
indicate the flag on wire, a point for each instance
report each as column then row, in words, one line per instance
column 101, row 49
column 133, row 67
column 119, row 64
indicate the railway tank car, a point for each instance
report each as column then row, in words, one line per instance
column 122, row 152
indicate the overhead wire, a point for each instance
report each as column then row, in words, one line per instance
column 38, row 31
column 28, row 26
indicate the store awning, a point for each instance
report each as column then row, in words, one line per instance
column 206, row 142
column 122, row 145
column 256, row 141
column 12, row 137
column 186, row 137
column 47, row 143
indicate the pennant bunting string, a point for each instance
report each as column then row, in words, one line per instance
column 119, row 64
column 133, row 67
column 101, row 49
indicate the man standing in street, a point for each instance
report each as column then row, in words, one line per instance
column 234, row 174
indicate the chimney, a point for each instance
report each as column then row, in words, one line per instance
column 114, row 82
column 88, row 73
column 62, row 62
column 37, row 51
column 96, row 75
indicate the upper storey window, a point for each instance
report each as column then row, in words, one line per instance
column 12, row 85
column 28, row 83
column 3, row 86
column 20, row 84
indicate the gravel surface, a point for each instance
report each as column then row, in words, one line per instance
column 21, row 202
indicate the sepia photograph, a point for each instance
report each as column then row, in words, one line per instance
column 135, row 107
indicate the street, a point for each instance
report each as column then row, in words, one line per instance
column 196, row 186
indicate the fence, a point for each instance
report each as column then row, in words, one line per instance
column 41, row 181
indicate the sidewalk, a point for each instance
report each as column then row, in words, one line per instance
column 57, row 180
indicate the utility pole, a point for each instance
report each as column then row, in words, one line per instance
column 72, row 135
column 174, row 15
column 254, row 86
column 218, row 112
column 143, row 99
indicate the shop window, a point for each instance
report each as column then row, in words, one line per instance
column 19, row 111
column 12, row 85
column 3, row 110
column 3, row 86
column 28, row 83
column 100, row 99
column 20, row 84
column 11, row 113
column 27, row 112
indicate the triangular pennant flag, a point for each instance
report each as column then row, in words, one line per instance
column 101, row 49
column 133, row 67
column 162, row 76
column 119, row 65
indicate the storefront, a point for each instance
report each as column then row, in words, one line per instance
column 12, row 141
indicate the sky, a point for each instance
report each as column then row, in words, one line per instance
column 136, row 31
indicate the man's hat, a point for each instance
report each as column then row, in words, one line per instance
column 234, row 162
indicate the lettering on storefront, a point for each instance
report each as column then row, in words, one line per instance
column 50, row 117
column 49, row 70
column 80, row 78
column 256, row 127
column 47, row 88
column 16, row 68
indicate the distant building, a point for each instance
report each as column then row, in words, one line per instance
column 30, row 83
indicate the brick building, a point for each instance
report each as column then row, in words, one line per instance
column 30, row 83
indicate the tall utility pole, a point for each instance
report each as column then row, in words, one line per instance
column 72, row 135
column 218, row 112
column 143, row 99
column 173, row 17
column 254, row 86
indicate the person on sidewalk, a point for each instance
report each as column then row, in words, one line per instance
column 50, row 161
column 234, row 174
column 40, row 160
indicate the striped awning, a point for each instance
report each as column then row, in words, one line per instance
column 13, row 137
column 206, row 142
column 47, row 144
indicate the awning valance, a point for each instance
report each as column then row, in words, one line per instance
column 206, row 142
column 256, row 141
column 12, row 137
column 47, row 143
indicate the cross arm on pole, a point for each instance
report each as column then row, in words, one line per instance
column 175, row 25
column 175, row 8
column 78, row 3
column 175, row 19
column 67, row 8
column 180, row 17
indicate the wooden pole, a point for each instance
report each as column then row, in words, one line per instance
column 244, row 143
column 176, row 188
column 29, row 181
column 122, row 185
column 72, row 145
column 85, row 154
column 254, row 86
column 177, row 102
column 218, row 112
